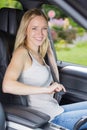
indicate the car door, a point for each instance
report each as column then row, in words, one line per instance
column 72, row 75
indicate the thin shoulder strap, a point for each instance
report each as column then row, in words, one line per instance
column 29, row 53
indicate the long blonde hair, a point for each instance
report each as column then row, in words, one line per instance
column 21, row 34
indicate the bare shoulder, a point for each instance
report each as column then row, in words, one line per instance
column 18, row 60
column 20, row 52
column 18, row 57
column 21, row 56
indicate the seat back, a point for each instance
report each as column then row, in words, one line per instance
column 5, row 39
column 10, row 19
column 2, row 118
column 9, row 22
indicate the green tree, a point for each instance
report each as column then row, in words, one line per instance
column 59, row 12
column 10, row 3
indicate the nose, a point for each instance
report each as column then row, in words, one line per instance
column 40, row 32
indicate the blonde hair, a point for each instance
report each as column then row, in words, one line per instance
column 21, row 34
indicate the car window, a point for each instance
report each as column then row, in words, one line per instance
column 10, row 4
column 70, row 39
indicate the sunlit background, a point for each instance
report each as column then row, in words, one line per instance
column 70, row 40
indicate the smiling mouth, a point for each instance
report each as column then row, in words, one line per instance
column 39, row 39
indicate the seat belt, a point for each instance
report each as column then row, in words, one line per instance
column 57, row 95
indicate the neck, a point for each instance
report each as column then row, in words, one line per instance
column 33, row 49
column 34, row 52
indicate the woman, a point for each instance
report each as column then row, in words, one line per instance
column 28, row 73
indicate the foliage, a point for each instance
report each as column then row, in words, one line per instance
column 59, row 12
column 80, row 30
column 62, row 30
column 11, row 4
column 61, row 26
column 67, row 32
column 76, row 54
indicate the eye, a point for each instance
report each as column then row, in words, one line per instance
column 34, row 28
column 45, row 28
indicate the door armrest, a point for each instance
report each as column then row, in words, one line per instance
column 26, row 116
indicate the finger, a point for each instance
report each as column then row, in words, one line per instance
column 58, row 89
column 63, row 88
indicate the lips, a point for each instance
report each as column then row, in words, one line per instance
column 39, row 39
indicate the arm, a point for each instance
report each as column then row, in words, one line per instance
column 16, row 66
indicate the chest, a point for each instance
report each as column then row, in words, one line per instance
column 37, row 74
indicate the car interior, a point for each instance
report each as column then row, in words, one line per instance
column 15, row 113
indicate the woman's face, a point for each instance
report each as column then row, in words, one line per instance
column 37, row 31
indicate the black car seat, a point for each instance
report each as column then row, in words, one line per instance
column 2, row 118
column 5, row 55
column 9, row 22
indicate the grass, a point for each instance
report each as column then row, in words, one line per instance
column 76, row 54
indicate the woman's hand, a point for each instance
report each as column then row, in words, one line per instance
column 56, row 87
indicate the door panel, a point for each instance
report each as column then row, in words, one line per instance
column 74, row 78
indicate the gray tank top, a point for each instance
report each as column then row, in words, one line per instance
column 40, row 75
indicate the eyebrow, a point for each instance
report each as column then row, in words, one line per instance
column 42, row 26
